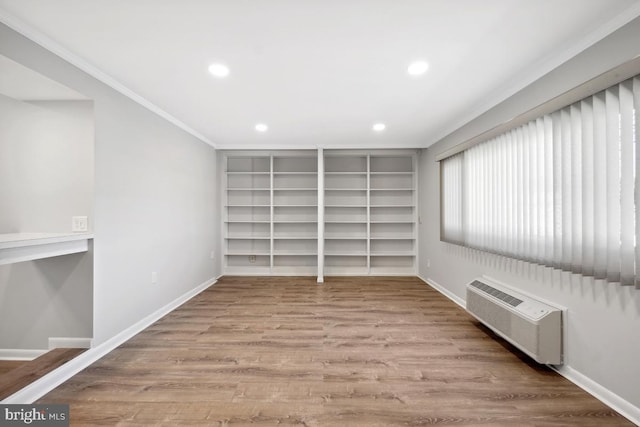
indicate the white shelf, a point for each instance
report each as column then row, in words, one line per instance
column 296, row 173
column 19, row 247
column 396, row 237
column 346, row 173
column 295, row 237
column 392, row 173
column 247, row 189
column 294, row 189
column 391, row 221
column 391, row 206
column 294, row 206
column 392, row 253
column 346, row 254
column 247, row 253
column 247, row 173
column 344, row 237
column 284, row 253
column 392, row 189
column 295, row 221
column 248, row 206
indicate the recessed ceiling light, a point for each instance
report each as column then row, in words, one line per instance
column 261, row 127
column 219, row 70
column 379, row 127
column 418, row 68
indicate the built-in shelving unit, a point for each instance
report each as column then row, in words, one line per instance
column 270, row 217
column 393, row 214
column 368, row 206
column 247, row 215
column 346, row 214
column 370, row 213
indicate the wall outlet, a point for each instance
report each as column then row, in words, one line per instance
column 212, row 255
column 252, row 258
column 428, row 263
column 154, row 277
column 79, row 223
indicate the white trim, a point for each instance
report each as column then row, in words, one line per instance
column 444, row 291
column 43, row 385
column 622, row 406
column 69, row 342
column 20, row 354
column 70, row 57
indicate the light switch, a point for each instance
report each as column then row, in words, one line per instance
column 79, row 223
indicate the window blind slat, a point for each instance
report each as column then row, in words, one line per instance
column 613, row 184
column 587, row 192
column 627, row 208
column 636, row 170
column 566, row 200
column 599, row 187
column 549, row 196
column 557, row 191
column 576, row 188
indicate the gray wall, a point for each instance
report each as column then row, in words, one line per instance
column 46, row 176
column 603, row 321
column 155, row 207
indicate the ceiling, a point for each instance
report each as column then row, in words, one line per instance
column 321, row 72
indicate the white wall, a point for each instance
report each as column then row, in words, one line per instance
column 601, row 329
column 46, row 176
column 46, row 164
column 155, row 206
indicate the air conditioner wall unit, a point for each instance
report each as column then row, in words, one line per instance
column 529, row 324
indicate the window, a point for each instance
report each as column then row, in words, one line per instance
column 560, row 190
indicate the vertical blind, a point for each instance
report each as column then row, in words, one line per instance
column 561, row 190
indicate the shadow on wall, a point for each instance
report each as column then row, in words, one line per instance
column 46, row 298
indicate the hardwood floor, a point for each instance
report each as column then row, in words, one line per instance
column 24, row 373
column 10, row 365
column 350, row 352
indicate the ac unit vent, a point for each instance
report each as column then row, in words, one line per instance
column 531, row 325
column 513, row 301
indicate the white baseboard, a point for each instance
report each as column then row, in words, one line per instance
column 444, row 291
column 601, row 393
column 43, row 385
column 69, row 342
column 622, row 406
column 20, row 354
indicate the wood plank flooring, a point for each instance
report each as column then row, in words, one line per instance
column 24, row 373
column 350, row 352
column 10, row 365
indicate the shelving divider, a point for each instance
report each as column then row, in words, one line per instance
column 271, row 214
column 368, row 214
column 321, row 203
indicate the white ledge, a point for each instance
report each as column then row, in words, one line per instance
column 18, row 247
